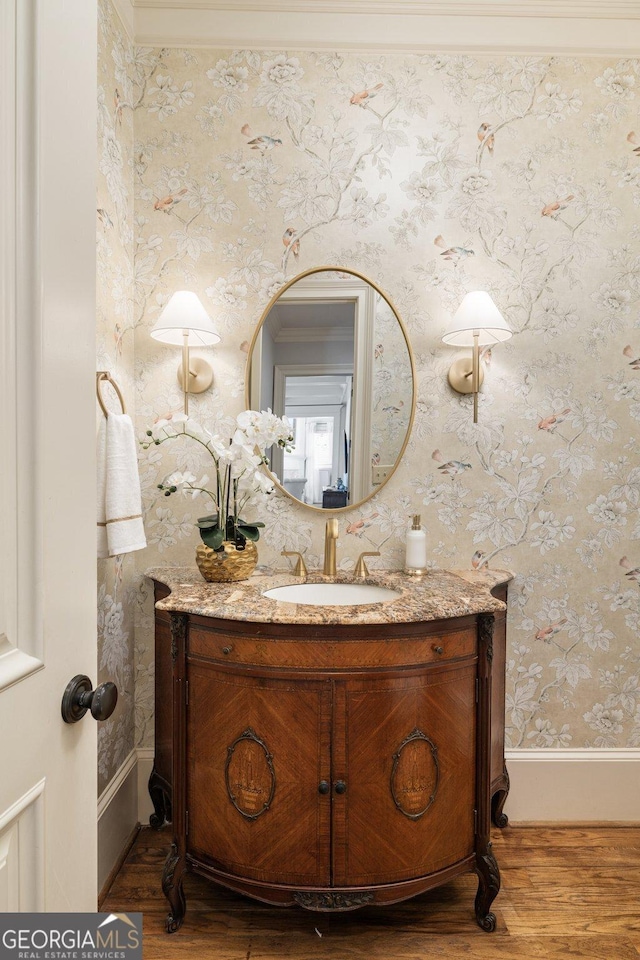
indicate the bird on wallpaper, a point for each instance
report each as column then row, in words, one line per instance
column 375, row 459
column 485, row 135
column 547, row 633
column 244, row 346
column 360, row 99
column 104, row 218
column 117, row 106
column 477, row 558
column 633, row 573
column 450, row 467
column 485, row 356
column 378, row 351
column 455, row 254
column 633, row 139
column 166, row 204
column 629, row 352
column 263, row 142
column 554, row 420
column 392, row 409
column 557, row 206
column 358, row 527
column 288, row 240
column 118, row 335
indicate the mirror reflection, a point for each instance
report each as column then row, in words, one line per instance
column 332, row 355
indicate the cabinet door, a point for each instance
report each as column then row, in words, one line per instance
column 405, row 750
column 257, row 750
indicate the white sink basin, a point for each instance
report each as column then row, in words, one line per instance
column 332, row 594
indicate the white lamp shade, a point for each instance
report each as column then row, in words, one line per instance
column 477, row 313
column 184, row 312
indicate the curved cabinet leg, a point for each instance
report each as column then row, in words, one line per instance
column 488, row 888
column 498, row 800
column 161, row 800
column 172, row 889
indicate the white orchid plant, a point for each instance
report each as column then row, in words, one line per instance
column 238, row 470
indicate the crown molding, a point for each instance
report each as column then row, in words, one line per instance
column 547, row 27
column 226, row 29
column 126, row 14
column 586, row 9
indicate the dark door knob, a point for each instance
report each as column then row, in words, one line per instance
column 323, row 787
column 80, row 697
column 340, row 786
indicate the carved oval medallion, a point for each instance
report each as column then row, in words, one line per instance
column 414, row 775
column 249, row 775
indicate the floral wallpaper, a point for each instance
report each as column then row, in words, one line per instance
column 391, row 402
column 117, row 579
column 433, row 175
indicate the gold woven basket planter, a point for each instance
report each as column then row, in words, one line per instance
column 227, row 564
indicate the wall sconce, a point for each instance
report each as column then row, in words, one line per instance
column 185, row 323
column 476, row 323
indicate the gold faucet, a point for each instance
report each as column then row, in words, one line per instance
column 301, row 567
column 330, row 537
column 361, row 569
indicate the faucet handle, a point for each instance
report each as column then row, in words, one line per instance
column 361, row 569
column 300, row 568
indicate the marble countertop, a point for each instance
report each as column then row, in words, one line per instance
column 440, row 594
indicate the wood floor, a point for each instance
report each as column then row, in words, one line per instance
column 567, row 892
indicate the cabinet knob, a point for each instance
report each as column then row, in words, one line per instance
column 323, row 787
column 438, row 650
column 227, row 650
column 340, row 786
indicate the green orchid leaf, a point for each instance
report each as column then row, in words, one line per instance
column 250, row 523
column 250, row 530
column 212, row 536
column 205, row 522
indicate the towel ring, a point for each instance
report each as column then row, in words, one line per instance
column 101, row 376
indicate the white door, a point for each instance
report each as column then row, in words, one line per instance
column 47, row 444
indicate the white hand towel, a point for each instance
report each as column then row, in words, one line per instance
column 103, row 547
column 120, row 527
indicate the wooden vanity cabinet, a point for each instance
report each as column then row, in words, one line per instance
column 161, row 776
column 300, row 737
column 330, row 766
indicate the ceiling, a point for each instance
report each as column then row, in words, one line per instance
column 589, row 27
column 302, row 321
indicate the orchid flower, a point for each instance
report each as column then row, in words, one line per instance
column 238, row 473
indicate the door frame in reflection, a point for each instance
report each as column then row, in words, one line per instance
column 362, row 294
column 281, row 372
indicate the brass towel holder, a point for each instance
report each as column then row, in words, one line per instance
column 101, row 377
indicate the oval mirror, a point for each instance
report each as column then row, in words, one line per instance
column 331, row 353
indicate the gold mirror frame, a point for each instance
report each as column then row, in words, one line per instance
column 247, row 382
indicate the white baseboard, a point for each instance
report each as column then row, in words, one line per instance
column 547, row 785
column 145, row 766
column 117, row 816
column 580, row 785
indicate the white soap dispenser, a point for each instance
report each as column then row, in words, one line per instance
column 416, row 551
